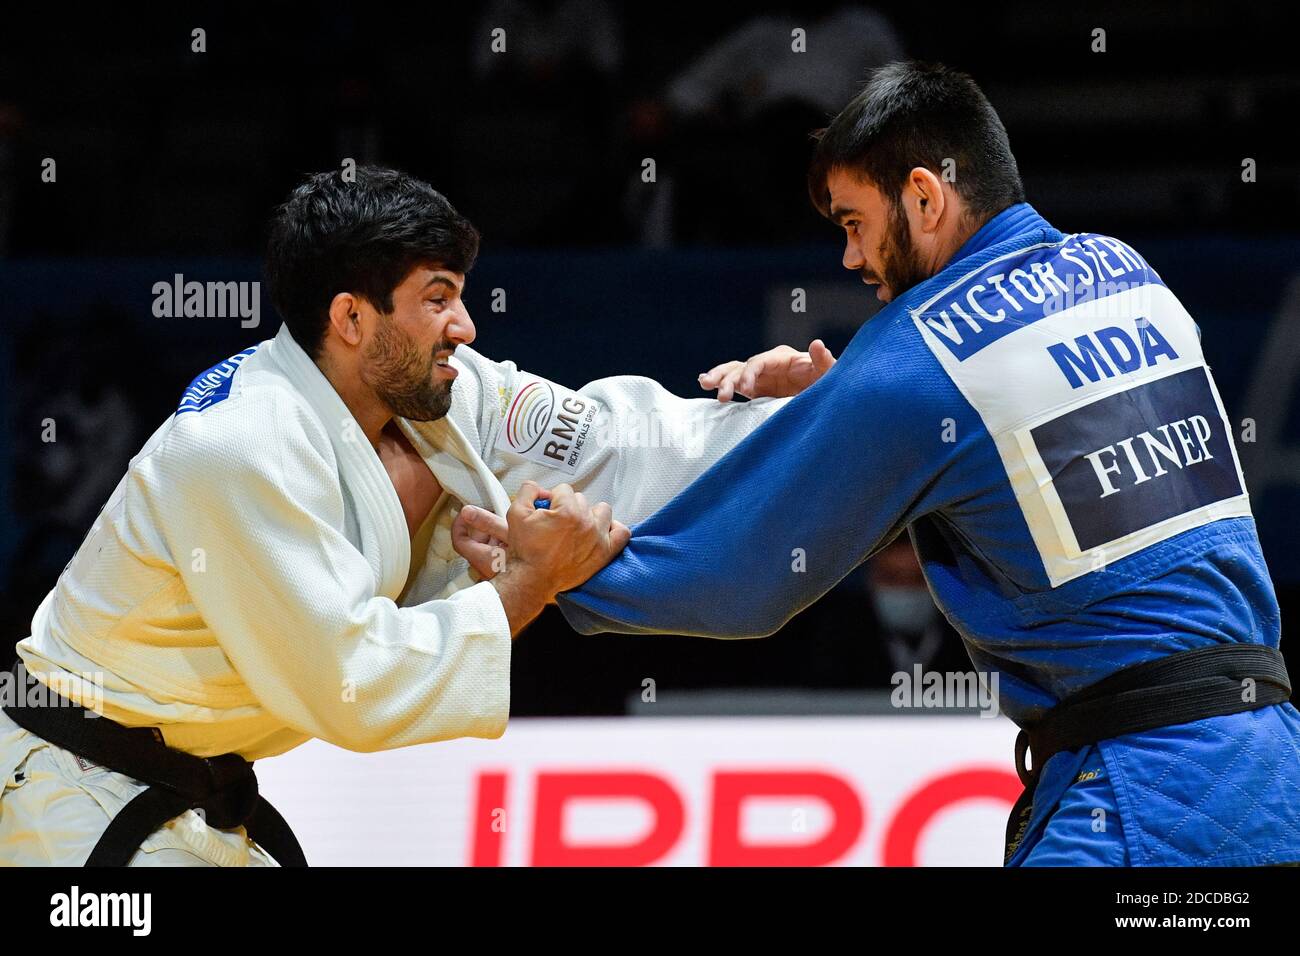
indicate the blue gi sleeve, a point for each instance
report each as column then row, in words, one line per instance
column 801, row 502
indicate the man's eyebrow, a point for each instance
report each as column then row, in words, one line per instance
column 445, row 280
column 839, row 212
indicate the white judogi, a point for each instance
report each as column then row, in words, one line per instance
column 251, row 584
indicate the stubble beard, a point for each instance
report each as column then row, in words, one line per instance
column 401, row 375
column 902, row 266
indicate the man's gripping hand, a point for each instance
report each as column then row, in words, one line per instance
column 548, row 550
column 776, row 373
column 479, row 536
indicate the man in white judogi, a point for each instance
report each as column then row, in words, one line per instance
column 290, row 555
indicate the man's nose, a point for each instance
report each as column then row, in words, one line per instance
column 853, row 258
column 461, row 328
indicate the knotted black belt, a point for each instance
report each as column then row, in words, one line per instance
column 223, row 788
column 1176, row 689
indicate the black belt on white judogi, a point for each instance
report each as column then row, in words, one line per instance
column 224, row 788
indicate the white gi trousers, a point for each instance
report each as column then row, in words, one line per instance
column 54, row 806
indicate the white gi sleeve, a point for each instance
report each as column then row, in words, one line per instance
column 253, row 521
column 626, row 439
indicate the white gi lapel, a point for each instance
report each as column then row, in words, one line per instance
column 385, row 540
column 463, row 474
column 456, row 464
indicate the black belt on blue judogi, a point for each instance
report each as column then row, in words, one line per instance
column 224, row 788
column 1176, row 689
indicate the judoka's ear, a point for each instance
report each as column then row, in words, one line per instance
column 345, row 318
column 925, row 199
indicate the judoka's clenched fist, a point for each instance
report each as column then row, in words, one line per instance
column 776, row 373
column 479, row 536
column 548, row 550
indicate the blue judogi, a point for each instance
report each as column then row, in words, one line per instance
column 1041, row 419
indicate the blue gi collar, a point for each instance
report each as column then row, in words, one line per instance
column 1010, row 222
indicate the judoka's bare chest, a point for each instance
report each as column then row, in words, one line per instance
column 417, row 488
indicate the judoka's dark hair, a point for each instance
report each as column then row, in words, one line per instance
column 363, row 237
column 919, row 114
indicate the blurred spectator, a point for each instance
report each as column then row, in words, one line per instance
column 877, row 622
column 732, row 127
column 910, row 628
column 534, row 145
column 543, row 38
column 755, row 67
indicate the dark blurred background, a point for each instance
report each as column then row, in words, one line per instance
column 1176, row 137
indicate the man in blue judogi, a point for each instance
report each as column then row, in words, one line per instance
column 1034, row 408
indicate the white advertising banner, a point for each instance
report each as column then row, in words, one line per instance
column 735, row 791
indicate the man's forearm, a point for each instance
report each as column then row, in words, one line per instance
column 521, row 595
